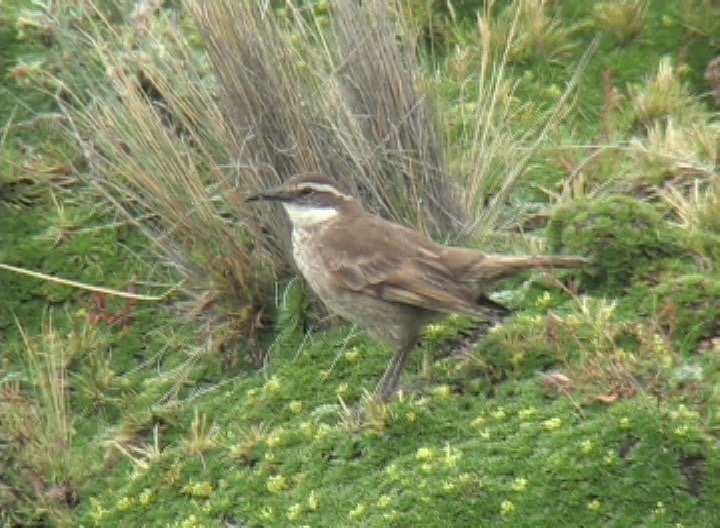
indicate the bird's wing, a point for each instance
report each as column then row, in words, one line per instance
column 396, row 264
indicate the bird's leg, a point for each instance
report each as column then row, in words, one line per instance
column 389, row 382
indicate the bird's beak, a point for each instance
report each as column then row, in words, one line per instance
column 278, row 194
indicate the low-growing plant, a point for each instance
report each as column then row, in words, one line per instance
column 533, row 31
column 620, row 233
column 687, row 309
column 663, row 96
column 624, row 19
column 674, row 152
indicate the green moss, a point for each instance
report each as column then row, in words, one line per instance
column 687, row 307
column 621, row 234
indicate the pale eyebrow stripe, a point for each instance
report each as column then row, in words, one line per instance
column 324, row 187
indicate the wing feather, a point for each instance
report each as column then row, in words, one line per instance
column 399, row 265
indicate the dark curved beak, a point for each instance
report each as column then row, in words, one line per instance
column 277, row 194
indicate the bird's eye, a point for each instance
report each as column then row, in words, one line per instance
column 305, row 192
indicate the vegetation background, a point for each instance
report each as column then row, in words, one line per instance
column 161, row 366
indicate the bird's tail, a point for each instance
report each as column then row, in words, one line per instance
column 496, row 267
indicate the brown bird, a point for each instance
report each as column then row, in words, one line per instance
column 385, row 277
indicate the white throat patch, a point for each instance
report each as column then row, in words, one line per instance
column 306, row 216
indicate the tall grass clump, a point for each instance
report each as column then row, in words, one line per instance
column 38, row 463
column 144, row 113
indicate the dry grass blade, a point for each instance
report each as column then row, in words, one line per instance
column 379, row 78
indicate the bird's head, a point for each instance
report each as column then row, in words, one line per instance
column 309, row 199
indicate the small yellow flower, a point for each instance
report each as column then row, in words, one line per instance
column 525, row 414
column 295, row 406
column 190, row 522
column 681, row 430
column 424, row 454
column 352, row 355
column 586, row 446
column 276, row 484
column 323, row 431
column 358, row 511
column 307, row 428
column 384, row 501
column 519, row 484
column 147, row 496
column 198, row 490
column 499, row 414
column 125, row 504
column 313, row 501
column 294, row 511
column 553, row 424
column 610, row 457
column 506, row 507
column 478, row 422
column 593, row 505
column 452, row 456
column 625, row 423
column 442, row 392
column 98, row 513
column 274, row 384
column 545, row 300
column 275, row 438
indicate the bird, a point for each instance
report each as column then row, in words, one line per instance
column 385, row 277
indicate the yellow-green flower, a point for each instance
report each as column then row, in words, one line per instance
column 313, row 501
column 274, row 384
column 357, row 512
column 384, row 501
column 198, row 490
column 552, row 424
column 506, row 507
column 294, row 511
column 147, row 496
column 519, row 484
column 424, row 454
column 594, row 505
column 452, row 456
column 442, row 392
column 352, row 355
column 125, row 504
column 276, row 484
column 499, row 414
column 524, row 414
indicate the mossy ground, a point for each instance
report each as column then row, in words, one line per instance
column 597, row 405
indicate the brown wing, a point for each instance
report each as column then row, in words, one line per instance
column 398, row 265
